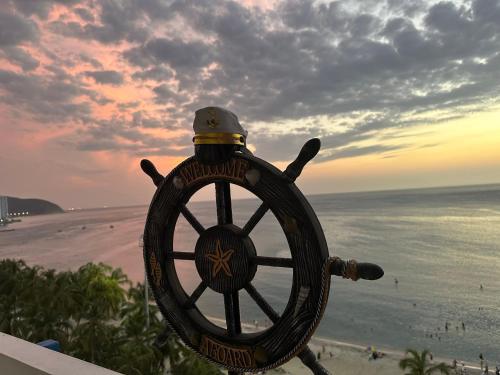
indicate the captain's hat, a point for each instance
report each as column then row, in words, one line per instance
column 217, row 126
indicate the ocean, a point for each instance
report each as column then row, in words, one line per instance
column 441, row 244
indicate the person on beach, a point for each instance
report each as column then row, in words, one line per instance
column 481, row 360
column 372, row 353
column 375, row 354
column 497, row 370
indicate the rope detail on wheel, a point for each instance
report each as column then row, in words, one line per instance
column 348, row 269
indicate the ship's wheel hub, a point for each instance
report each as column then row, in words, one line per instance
column 223, row 258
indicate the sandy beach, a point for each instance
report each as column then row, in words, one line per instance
column 349, row 359
column 345, row 358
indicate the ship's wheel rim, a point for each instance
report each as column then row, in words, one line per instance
column 169, row 290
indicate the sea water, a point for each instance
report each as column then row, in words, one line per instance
column 440, row 244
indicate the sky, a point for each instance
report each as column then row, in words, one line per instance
column 401, row 93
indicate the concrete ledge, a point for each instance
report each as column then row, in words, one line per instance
column 21, row 357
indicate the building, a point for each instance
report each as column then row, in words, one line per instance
column 4, row 208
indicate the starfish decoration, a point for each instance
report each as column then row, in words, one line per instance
column 220, row 259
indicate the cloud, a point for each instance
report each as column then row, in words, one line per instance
column 20, row 57
column 119, row 135
column 353, row 151
column 145, row 120
column 110, row 77
column 84, row 14
column 179, row 55
column 165, row 94
column 156, row 73
column 118, row 20
column 45, row 99
column 40, row 8
column 90, row 60
column 15, row 29
column 354, row 71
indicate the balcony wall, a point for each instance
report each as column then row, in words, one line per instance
column 19, row 357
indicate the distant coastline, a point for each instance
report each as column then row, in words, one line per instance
column 32, row 206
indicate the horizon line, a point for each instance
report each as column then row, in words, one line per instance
column 308, row 195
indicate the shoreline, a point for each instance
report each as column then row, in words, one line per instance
column 348, row 358
column 318, row 342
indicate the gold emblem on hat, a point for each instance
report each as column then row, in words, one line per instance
column 212, row 121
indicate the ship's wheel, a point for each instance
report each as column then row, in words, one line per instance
column 227, row 260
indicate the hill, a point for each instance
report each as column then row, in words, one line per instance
column 33, row 206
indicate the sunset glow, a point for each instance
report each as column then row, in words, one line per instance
column 401, row 96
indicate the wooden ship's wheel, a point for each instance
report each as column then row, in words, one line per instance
column 227, row 260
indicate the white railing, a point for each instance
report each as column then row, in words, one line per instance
column 19, row 357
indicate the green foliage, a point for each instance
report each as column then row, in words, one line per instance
column 187, row 363
column 96, row 314
column 418, row 364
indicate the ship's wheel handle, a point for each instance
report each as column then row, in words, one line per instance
column 353, row 270
column 306, row 154
column 149, row 168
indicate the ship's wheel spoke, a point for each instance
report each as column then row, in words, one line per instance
column 223, row 202
column 264, row 306
column 273, row 262
column 186, row 255
column 254, row 219
column 232, row 307
column 195, row 295
column 191, row 219
column 225, row 216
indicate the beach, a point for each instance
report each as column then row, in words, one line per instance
column 350, row 359
column 441, row 245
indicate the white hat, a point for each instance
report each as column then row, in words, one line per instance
column 215, row 125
